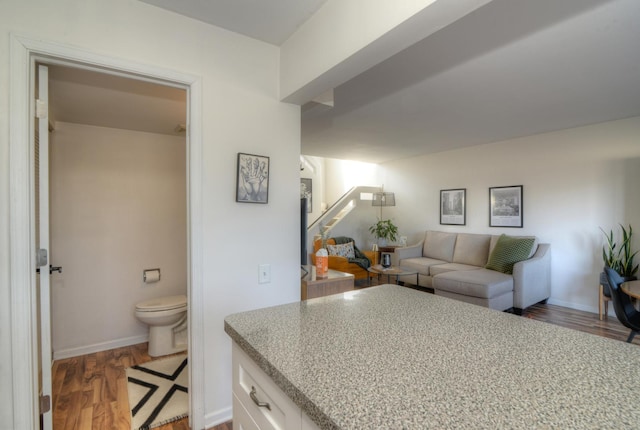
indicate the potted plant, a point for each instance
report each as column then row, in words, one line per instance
column 384, row 230
column 626, row 267
column 621, row 260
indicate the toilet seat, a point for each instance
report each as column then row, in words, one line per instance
column 162, row 304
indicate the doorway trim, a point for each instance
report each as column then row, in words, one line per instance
column 22, row 276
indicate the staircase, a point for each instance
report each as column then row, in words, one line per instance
column 337, row 212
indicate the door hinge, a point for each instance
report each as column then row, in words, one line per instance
column 41, row 257
column 42, row 109
column 45, row 404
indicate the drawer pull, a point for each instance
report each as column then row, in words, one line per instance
column 260, row 404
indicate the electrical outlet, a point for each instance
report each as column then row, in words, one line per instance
column 264, row 273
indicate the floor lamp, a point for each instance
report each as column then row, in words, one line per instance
column 383, row 198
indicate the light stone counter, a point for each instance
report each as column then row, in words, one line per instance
column 390, row 357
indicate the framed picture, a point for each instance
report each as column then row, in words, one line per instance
column 453, row 208
column 252, row 184
column 306, row 191
column 505, row 206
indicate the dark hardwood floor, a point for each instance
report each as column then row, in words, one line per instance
column 579, row 320
column 89, row 392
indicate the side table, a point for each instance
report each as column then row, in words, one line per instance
column 334, row 283
column 390, row 249
column 396, row 271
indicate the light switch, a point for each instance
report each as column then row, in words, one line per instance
column 264, row 273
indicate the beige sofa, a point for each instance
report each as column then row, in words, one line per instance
column 452, row 264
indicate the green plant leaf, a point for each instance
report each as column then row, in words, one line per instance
column 622, row 259
column 384, row 229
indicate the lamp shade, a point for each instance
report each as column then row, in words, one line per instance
column 383, row 199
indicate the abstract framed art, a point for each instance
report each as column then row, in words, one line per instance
column 252, row 184
column 505, row 206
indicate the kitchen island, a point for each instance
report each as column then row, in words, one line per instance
column 389, row 357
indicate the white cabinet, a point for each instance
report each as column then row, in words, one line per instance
column 241, row 418
column 258, row 403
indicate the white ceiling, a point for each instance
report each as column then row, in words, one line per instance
column 511, row 68
column 271, row 21
column 87, row 97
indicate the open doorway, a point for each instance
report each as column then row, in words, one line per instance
column 118, row 208
column 25, row 53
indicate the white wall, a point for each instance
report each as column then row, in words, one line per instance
column 118, row 206
column 575, row 181
column 332, row 178
column 342, row 175
column 241, row 113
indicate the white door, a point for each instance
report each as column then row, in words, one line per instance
column 42, row 236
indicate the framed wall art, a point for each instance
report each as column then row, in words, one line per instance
column 252, row 184
column 505, row 206
column 306, row 191
column 453, row 210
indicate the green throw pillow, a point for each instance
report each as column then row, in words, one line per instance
column 508, row 251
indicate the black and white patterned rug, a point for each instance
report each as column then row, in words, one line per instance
column 158, row 392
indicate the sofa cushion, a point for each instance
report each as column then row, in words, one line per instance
column 342, row 250
column 439, row 245
column 534, row 248
column 482, row 283
column 508, row 251
column 420, row 264
column 472, row 249
column 450, row 267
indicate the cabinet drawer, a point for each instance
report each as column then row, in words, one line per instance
column 241, row 418
column 281, row 414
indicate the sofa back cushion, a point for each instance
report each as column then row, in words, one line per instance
column 439, row 245
column 472, row 249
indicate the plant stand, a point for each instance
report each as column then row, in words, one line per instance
column 603, row 302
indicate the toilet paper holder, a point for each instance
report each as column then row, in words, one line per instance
column 151, row 275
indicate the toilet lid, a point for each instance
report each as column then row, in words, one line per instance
column 163, row 303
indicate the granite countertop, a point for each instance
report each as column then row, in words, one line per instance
column 396, row 358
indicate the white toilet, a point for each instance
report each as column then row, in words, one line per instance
column 167, row 320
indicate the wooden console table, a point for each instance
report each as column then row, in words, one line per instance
column 335, row 283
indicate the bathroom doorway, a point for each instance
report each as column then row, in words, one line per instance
column 118, row 196
column 25, row 339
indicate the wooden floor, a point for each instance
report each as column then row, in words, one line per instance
column 90, row 391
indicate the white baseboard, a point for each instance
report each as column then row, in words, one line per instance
column 218, row 417
column 97, row 347
column 571, row 305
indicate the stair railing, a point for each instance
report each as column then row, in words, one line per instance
column 337, row 212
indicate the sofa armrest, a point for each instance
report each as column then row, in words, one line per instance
column 532, row 278
column 413, row 251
